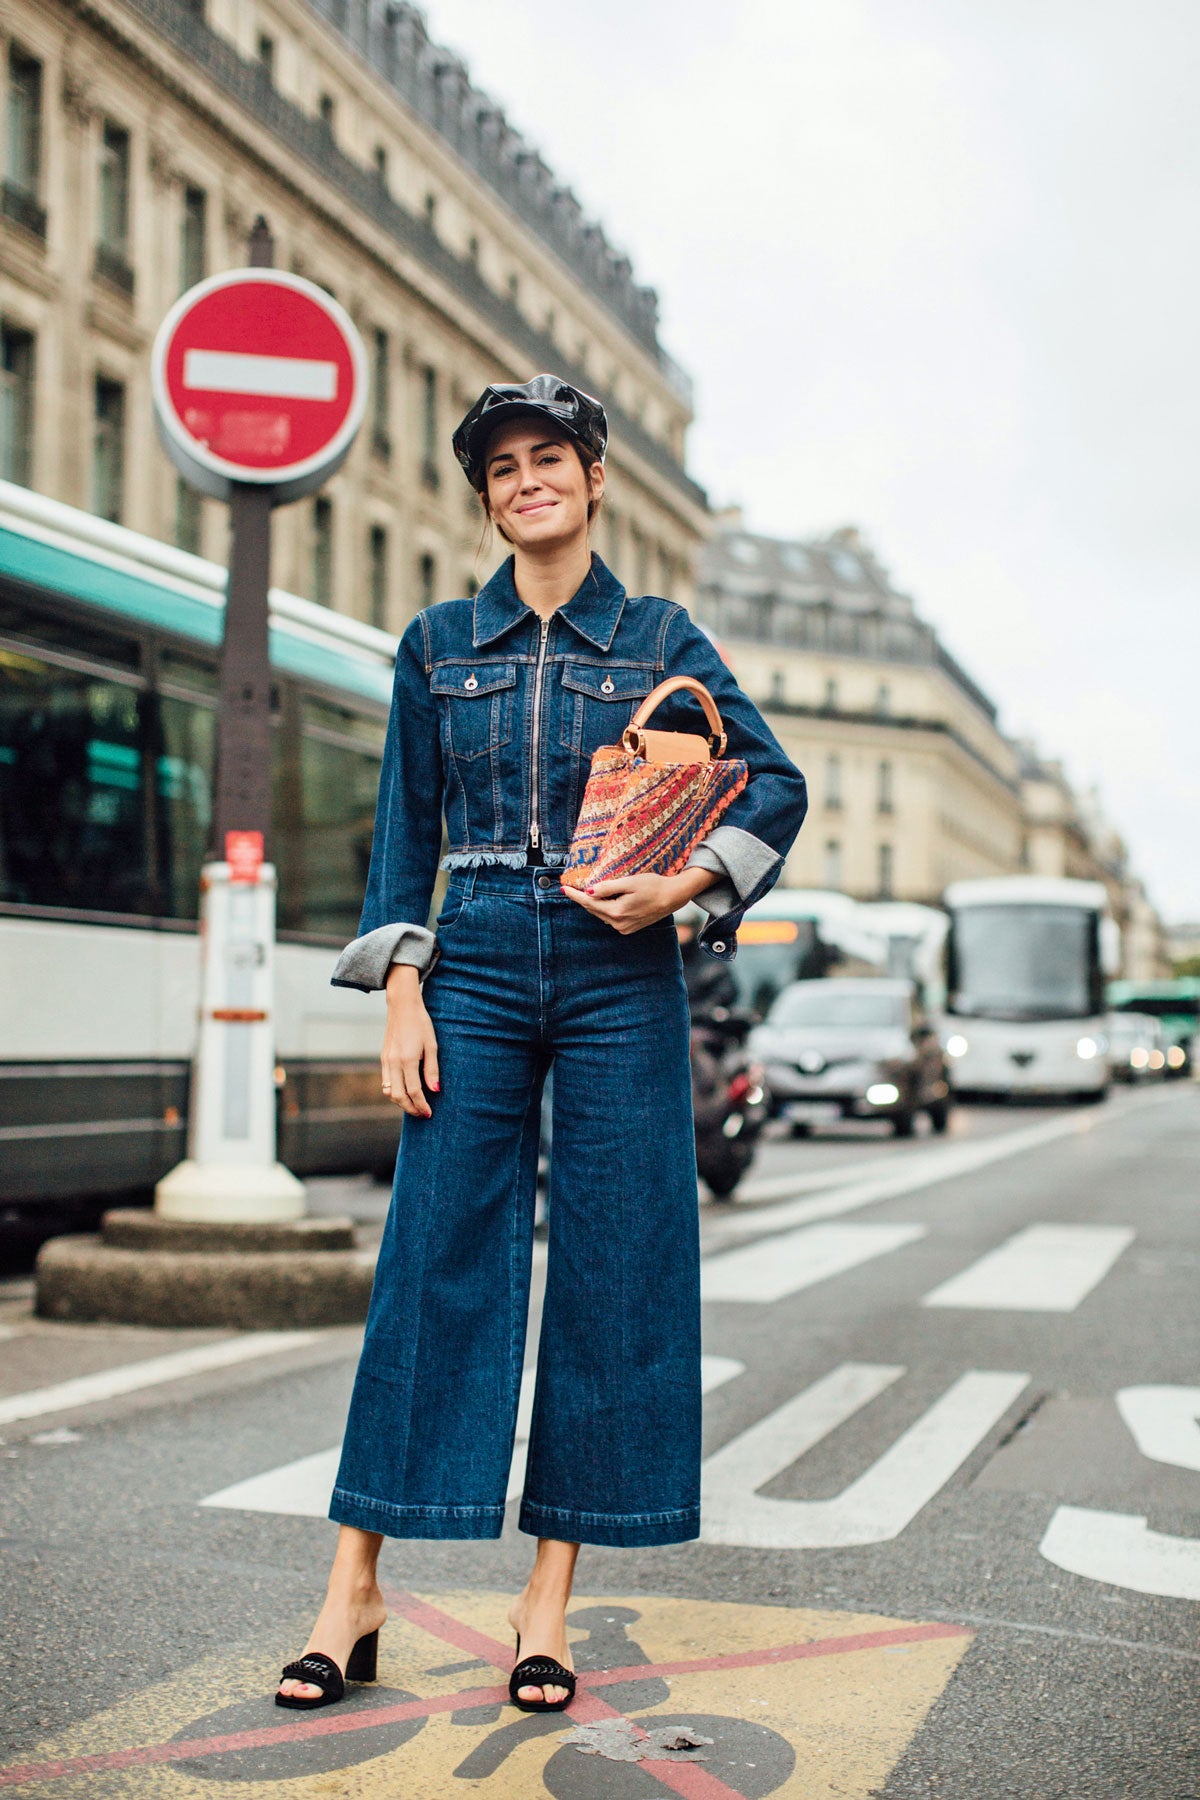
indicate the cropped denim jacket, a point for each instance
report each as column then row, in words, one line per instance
column 494, row 719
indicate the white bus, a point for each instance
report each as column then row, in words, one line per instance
column 1025, row 1006
column 108, row 683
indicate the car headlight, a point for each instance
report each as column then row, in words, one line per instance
column 1139, row 1058
column 1176, row 1057
column 957, row 1045
column 1157, row 1060
column 1087, row 1048
column 882, row 1093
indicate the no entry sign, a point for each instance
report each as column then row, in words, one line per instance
column 258, row 377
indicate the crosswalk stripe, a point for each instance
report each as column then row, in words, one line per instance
column 128, row 1378
column 881, row 1502
column 1044, row 1268
column 302, row 1488
column 773, row 1268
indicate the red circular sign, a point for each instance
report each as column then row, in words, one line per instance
column 258, row 376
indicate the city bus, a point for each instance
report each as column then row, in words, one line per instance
column 108, row 687
column 1176, row 1006
column 1026, row 961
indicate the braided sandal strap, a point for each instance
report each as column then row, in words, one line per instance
column 541, row 1671
column 318, row 1670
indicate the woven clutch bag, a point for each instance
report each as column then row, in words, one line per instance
column 653, row 797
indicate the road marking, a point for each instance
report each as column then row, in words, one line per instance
column 1119, row 1549
column 775, row 1267
column 922, row 1169
column 883, row 1501
column 280, row 377
column 128, row 1378
column 1044, row 1268
column 301, row 1489
column 1164, row 1423
column 796, row 1701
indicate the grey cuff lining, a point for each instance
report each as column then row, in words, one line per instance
column 364, row 964
column 740, row 858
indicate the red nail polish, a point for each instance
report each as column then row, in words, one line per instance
column 436, row 1087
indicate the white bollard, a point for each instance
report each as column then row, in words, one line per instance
column 231, row 1175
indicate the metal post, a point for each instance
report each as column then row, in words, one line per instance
column 243, row 800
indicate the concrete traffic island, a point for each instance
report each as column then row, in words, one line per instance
column 142, row 1269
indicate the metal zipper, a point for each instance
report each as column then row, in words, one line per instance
column 535, row 830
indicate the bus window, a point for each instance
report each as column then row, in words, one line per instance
column 340, row 753
column 183, row 793
column 72, row 789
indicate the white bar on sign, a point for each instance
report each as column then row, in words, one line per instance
column 778, row 1266
column 1045, row 1268
column 280, row 377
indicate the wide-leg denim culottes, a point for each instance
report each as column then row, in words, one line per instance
column 527, row 978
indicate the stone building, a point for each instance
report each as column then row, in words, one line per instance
column 912, row 783
column 142, row 137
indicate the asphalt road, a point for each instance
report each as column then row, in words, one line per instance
column 952, row 1515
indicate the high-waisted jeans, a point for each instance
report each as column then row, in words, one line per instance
column 527, row 978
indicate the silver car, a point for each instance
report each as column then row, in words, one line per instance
column 849, row 1048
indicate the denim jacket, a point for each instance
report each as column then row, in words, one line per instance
column 494, row 719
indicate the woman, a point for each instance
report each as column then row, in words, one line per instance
column 499, row 703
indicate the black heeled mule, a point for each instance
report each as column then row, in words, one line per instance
column 543, row 1672
column 321, row 1671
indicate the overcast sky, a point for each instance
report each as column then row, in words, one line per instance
column 933, row 268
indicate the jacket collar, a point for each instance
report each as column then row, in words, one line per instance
column 592, row 611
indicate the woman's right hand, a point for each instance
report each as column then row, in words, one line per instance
column 409, row 1041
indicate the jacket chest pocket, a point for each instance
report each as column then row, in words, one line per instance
column 476, row 705
column 598, row 703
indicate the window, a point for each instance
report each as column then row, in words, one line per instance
column 431, row 211
column 833, row 863
column 614, row 537
column 326, row 111
column 884, row 800
column 380, row 160
column 186, row 756
column 885, row 871
column 112, row 244
column 189, row 516
column 427, row 579
column 830, row 701
column 328, row 847
column 322, row 550
column 514, row 290
column 16, row 404
column 108, row 449
column 377, row 569
column 193, row 251
column 833, row 782
column 429, row 428
column 72, row 807
column 883, row 698
column 23, row 163
column 265, row 50
column 778, row 695
column 473, row 249
column 381, row 396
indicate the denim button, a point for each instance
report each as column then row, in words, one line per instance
column 719, row 945
column 545, row 880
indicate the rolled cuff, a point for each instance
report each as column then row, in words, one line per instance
column 743, row 861
column 364, row 964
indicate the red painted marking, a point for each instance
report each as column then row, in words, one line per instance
column 689, row 1780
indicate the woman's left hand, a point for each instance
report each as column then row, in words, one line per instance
column 631, row 902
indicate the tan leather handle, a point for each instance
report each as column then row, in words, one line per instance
column 659, row 694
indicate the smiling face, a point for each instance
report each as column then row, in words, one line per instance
column 539, row 495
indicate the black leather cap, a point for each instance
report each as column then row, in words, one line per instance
column 573, row 411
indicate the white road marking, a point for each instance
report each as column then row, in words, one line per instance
column 941, row 1162
column 127, row 1378
column 1164, row 1423
column 883, row 1501
column 279, row 377
column 1044, row 1268
column 302, row 1488
column 1118, row 1548
column 777, row 1266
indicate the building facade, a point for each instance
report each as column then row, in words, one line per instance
column 911, row 782
column 141, row 140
